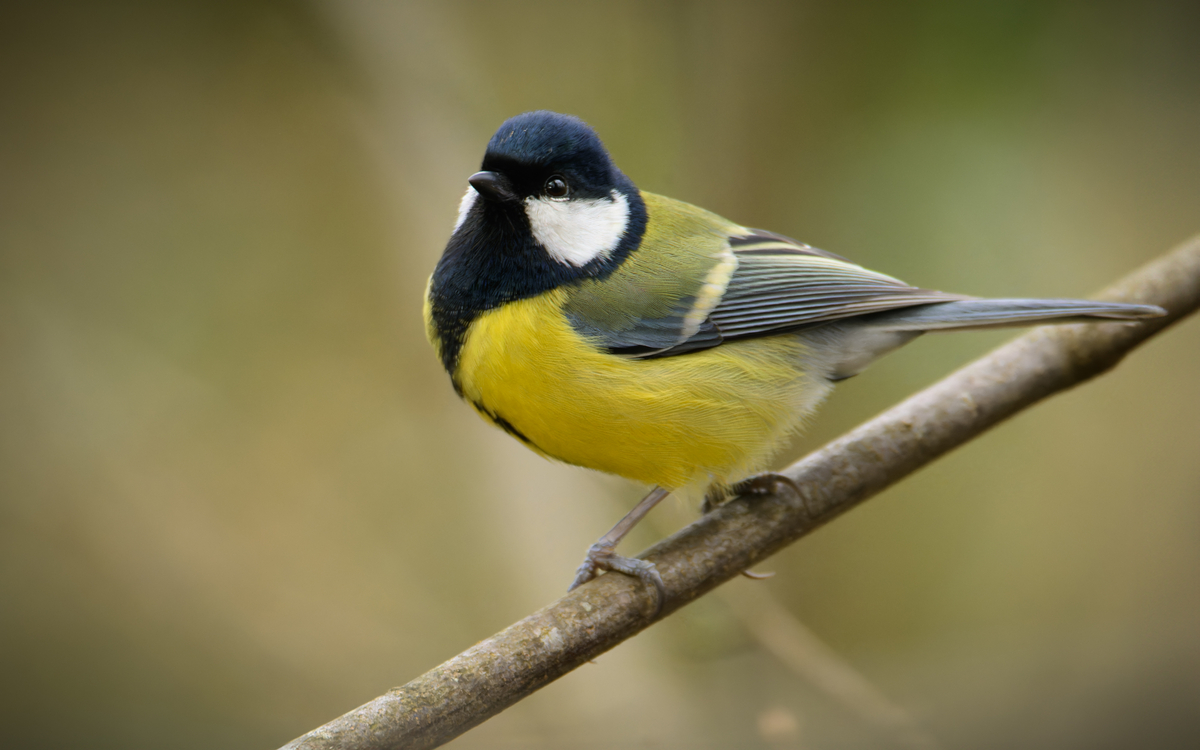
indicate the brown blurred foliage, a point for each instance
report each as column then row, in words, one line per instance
column 238, row 496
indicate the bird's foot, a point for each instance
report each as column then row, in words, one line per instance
column 602, row 557
column 767, row 483
column 760, row 484
column 716, row 496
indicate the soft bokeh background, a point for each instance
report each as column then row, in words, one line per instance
column 238, row 496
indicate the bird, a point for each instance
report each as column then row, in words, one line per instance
column 634, row 334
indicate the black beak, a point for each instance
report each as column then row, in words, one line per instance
column 493, row 186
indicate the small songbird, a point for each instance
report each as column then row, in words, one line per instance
column 638, row 335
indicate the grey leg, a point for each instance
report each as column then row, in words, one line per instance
column 602, row 554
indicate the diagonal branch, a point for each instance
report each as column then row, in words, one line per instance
column 496, row 673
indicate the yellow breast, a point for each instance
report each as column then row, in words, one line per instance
column 714, row 415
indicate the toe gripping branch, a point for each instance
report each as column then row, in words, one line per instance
column 767, row 483
column 603, row 556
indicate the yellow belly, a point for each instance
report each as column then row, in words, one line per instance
column 715, row 415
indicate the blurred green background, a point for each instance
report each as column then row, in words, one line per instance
column 238, row 496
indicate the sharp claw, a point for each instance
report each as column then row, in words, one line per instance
column 594, row 562
column 583, row 574
column 646, row 573
column 758, row 576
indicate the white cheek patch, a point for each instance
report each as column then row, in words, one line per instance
column 576, row 232
column 464, row 207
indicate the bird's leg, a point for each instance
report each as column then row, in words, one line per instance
column 602, row 554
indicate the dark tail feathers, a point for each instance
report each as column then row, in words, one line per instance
column 997, row 313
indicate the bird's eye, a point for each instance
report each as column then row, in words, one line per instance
column 556, row 187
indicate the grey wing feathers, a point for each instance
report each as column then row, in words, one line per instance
column 781, row 286
column 994, row 313
column 847, row 346
column 773, row 293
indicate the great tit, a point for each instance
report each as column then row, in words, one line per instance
column 623, row 331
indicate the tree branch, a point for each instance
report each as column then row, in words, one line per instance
column 496, row 673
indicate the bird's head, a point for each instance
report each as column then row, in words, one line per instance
column 547, row 180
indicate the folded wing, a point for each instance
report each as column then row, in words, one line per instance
column 781, row 286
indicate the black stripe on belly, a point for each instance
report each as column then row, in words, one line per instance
column 505, row 425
